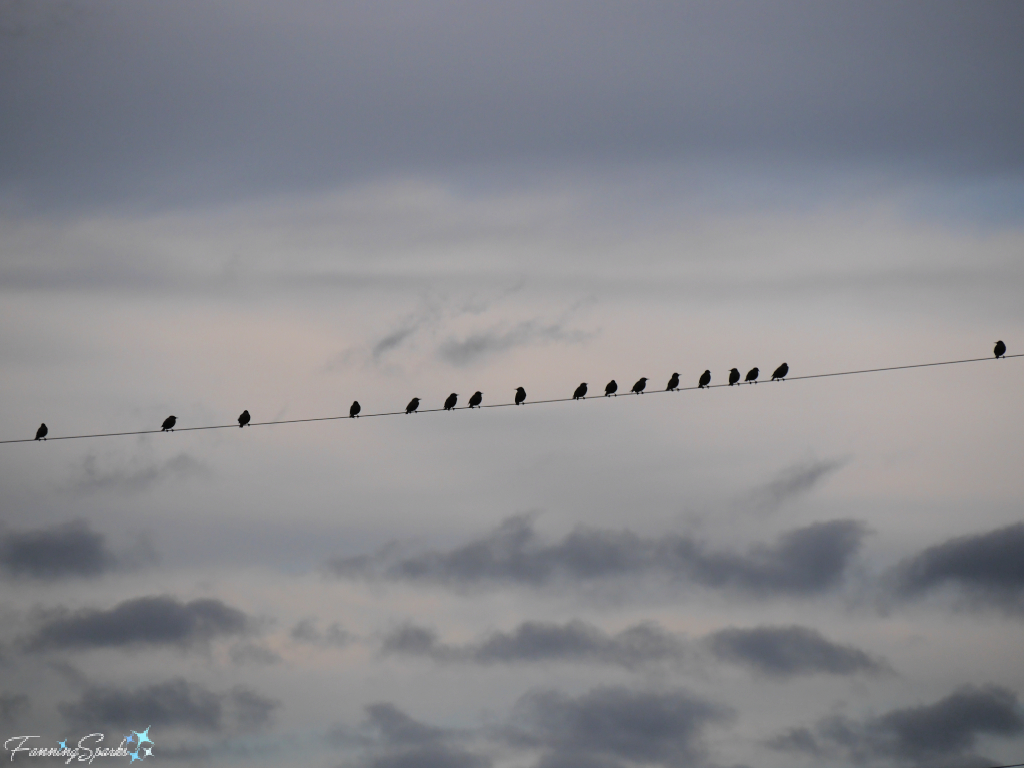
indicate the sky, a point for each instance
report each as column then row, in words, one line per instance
column 286, row 207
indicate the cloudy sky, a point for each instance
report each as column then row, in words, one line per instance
column 285, row 207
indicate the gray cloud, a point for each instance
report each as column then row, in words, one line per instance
column 13, row 706
column 67, row 550
column 802, row 561
column 308, row 631
column 159, row 620
column 798, row 480
column 137, row 478
column 789, row 651
column 949, row 728
column 534, row 641
column 393, row 340
column 461, row 352
column 253, row 653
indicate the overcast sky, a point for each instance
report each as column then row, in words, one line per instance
column 285, row 207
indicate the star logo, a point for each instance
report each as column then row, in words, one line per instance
column 140, row 738
column 63, row 744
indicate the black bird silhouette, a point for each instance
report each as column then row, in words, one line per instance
column 640, row 386
column 1000, row 349
column 734, row 376
column 581, row 391
column 780, row 372
column 169, row 423
column 520, row 395
column 355, row 409
column 413, row 405
column 673, row 383
column 752, row 375
column 705, row 379
column 41, row 432
column 451, row 401
column 609, row 389
column 476, row 399
column 243, row 419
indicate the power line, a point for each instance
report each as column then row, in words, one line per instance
column 513, row 405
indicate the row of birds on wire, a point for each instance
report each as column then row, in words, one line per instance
column 611, row 389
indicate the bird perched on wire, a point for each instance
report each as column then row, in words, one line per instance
column 673, row 383
column 780, row 372
column 476, row 399
column 1000, row 349
column 520, row 395
column 705, row 379
column 355, row 409
column 41, row 432
column 581, row 391
column 169, row 423
column 609, row 389
column 451, row 401
column 734, row 376
column 413, row 405
column 243, row 419
column 640, row 385
column 752, row 375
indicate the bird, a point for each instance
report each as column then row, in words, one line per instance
column 169, row 423
column 610, row 388
column 41, row 432
column 413, row 405
column 243, row 419
column 752, row 375
column 640, row 385
column 1000, row 349
column 451, row 401
column 355, row 409
column 581, row 391
column 520, row 395
column 673, row 383
column 476, row 399
column 781, row 371
column 734, row 376
column 705, row 379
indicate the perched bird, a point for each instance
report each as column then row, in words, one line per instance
column 780, row 372
column 476, row 399
column 520, row 395
column 673, row 383
column 581, row 391
column 705, row 379
column 451, row 401
column 752, row 375
column 609, row 389
column 413, row 405
column 640, row 386
column 355, row 409
column 1000, row 349
column 243, row 419
column 169, row 423
column 41, row 432
column 734, row 376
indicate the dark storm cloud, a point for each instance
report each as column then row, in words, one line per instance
column 790, row 651
column 460, row 352
column 159, row 620
column 13, row 706
column 535, row 641
column 798, row 480
column 68, row 550
column 948, row 728
column 987, row 567
column 160, row 101
column 802, row 561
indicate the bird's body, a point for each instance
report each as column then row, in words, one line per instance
column 169, row 423
column 705, row 379
column 244, row 418
column 581, row 391
column 610, row 388
column 640, row 385
column 734, row 376
column 42, row 431
column 520, row 395
column 476, row 399
column 355, row 409
column 673, row 383
column 1000, row 349
column 413, row 405
column 752, row 375
column 780, row 372
column 453, row 398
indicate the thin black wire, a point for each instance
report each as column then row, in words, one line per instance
column 506, row 405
